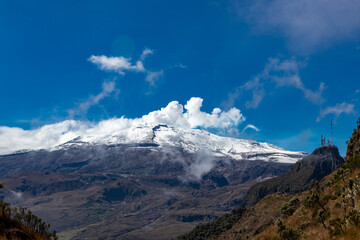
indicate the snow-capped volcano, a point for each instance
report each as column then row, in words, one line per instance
column 188, row 140
column 163, row 165
column 168, row 127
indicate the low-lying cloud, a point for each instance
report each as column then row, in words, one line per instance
column 174, row 114
column 198, row 167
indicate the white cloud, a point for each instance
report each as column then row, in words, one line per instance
column 182, row 66
column 145, row 53
column 306, row 24
column 179, row 65
column 116, row 64
column 250, row 126
column 16, row 194
column 152, row 77
column 337, row 110
column 201, row 164
column 121, row 64
column 83, row 107
column 13, row 139
column 173, row 114
column 286, row 73
column 283, row 73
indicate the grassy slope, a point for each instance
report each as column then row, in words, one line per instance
column 329, row 210
column 257, row 218
column 306, row 219
column 339, row 195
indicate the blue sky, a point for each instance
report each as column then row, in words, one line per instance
column 287, row 66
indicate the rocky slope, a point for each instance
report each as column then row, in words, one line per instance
column 301, row 177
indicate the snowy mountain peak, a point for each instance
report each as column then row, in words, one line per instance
column 191, row 141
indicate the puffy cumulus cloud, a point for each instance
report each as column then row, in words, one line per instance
column 173, row 114
column 306, row 24
column 337, row 110
column 13, row 139
column 281, row 73
column 217, row 119
column 121, row 65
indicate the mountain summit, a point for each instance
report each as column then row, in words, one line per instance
column 188, row 140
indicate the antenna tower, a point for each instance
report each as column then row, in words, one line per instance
column 331, row 125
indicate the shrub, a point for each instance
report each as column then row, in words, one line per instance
column 323, row 215
column 23, row 219
column 215, row 228
column 310, row 201
column 353, row 162
column 288, row 208
column 287, row 233
column 353, row 217
column 336, row 226
column 338, row 190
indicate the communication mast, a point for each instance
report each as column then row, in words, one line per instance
column 323, row 139
column 331, row 125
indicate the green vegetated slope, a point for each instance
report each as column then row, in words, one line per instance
column 329, row 210
column 20, row 223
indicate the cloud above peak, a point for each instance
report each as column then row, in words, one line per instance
column 251, row 126
column 81, row 108
column 174, row 114
column 145, row 53
column 337, row 110
column 121, row 65
column 116, row 64
column 193, row 117
column 306, row 24
column 279, row 73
